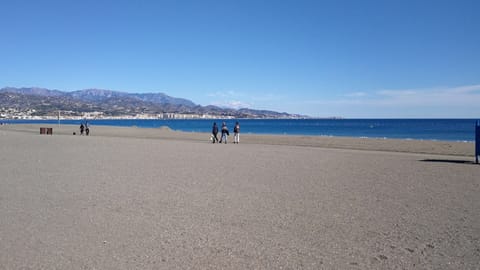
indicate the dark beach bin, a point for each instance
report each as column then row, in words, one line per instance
column 46, row 131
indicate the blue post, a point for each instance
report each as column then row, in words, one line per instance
column 477, row 141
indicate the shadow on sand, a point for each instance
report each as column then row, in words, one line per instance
column 449, row 161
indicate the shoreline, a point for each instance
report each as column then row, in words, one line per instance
column 365, row 130
column 450, row 148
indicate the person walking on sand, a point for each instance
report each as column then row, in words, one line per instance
column 236, row 133
column 225, row 133
column 214, row 132
column 84, row 127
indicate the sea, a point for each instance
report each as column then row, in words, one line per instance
column 462, row 130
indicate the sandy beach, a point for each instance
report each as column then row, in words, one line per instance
column 133, row 198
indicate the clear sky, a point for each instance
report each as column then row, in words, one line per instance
column 357, row 59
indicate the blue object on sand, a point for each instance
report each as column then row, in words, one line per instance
column 477, row 141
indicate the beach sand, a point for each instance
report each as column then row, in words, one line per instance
column 133, row 198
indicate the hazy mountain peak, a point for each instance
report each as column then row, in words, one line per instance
column 38, row 91
column 46, row 101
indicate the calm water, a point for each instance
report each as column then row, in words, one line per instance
column 420, row 129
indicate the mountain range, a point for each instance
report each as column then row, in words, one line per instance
column 114, row 103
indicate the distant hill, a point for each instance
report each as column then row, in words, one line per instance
column 101, row 95
column 114, row 103
column 32, row 91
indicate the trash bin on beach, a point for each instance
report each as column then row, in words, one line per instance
column 48, row 131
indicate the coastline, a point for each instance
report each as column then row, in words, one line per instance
column 454, row 130
column 465, row 149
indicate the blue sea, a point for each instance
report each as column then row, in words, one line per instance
column 417, row 129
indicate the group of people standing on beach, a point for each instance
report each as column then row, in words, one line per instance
column 84, row 127
column 225, row 133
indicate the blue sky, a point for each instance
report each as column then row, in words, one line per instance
column 356, row 59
